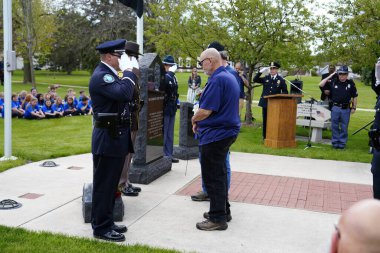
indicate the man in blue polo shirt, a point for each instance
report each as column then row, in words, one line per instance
column 217, row 125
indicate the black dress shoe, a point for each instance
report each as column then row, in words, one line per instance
column 112, row 236
column 135, row 188
column 119, row 228
column 128, row 191
column 175, row 160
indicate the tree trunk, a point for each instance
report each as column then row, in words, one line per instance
column 28, row 62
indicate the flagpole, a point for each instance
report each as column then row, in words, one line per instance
column 8, row 64
column 140, row 33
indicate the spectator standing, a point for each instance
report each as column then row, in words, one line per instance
column 243, row 81
column 272, row 84
column 325, row 91
column 194, row 84
column 344, row 100
column 170, row 106
column 217, row 124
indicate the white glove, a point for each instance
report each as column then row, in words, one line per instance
column 377, row 73
column 135, row 63
column 125, row 62
column 173, row 68
column 264, row 69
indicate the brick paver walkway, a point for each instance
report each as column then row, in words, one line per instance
column 290, row 192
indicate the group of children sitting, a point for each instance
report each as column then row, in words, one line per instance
column 36, row 105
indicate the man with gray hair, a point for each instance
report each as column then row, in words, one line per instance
column 217, row 125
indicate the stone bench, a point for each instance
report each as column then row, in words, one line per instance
column 316, row 127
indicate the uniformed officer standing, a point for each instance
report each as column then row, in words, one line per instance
column 374, row 134
column 272, row 84
column 170, row 106
column 111, row 140
column 343, row 95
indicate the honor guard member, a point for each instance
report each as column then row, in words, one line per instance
column 272, row 84
column 343, row 95
column 170, row 106
column 325, row 91
column 374, row 134
column 111, row 137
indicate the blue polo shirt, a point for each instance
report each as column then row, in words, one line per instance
column 58, row 108
column 15, row 104
column 49, row 109
column 221, row 95
column 29, row 109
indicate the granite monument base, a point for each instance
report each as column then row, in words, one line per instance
column 186, row 153
column 146, row 173
column 118, row 211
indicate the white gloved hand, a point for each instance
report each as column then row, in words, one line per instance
column 377, row 73
column 173, row 68
column 135, row 63
column 264, row 69
column 125, row 62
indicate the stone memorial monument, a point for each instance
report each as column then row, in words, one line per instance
column 148, row 161
column 188, row 145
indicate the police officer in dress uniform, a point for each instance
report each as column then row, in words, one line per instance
column 343, row 95
column 374, row 134
column 272, row 84
column 170, row 106
column 325, row 91
column 111, row 137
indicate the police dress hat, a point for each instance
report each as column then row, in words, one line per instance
column 113, row 46
column 132, row 48
column 216, row 45
column 168, row 60
column 274, row 64
column 343, row 70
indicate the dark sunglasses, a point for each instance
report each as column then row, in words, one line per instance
column 117, row 55
column 201, row 62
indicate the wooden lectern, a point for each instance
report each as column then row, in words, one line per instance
column 281, row 120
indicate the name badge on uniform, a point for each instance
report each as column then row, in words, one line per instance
column 336, row 86
column 278, row 81
column 108, row 78
column 349, row 86
column 267, row 81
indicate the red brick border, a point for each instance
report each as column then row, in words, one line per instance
column 290, row 192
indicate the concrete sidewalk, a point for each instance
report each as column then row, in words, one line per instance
column 161, row 217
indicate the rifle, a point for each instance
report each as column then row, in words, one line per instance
column 363, row 127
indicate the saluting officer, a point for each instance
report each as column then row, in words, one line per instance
column 111, row 140
column 272, row 84
column 343, row 96
column 170, row 106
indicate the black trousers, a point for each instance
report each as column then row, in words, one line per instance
column 107, row 171
column 214, row 175
column 264, row 122
column 375, row 169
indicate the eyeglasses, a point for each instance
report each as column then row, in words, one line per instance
column 201, row 62
column 117, row 55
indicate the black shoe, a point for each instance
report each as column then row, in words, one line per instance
column 207, row 216
column 175, row 160
column 135, row 188
column 200, row 196
column 128, row 191
column 119, row 228
column 112, row 236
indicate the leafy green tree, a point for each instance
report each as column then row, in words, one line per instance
column 350, row 34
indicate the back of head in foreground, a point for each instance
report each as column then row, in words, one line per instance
column 358, row 230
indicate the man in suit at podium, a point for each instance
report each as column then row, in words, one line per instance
column 272, row 84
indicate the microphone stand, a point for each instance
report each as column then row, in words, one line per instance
column 312, row 100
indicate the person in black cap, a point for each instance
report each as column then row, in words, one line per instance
column 125, row 187
column 272, row 84
column 325, row 91
column 111, row 140
column 170, row 106
column 343, row 95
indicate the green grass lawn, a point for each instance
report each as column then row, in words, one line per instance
column 17, row 240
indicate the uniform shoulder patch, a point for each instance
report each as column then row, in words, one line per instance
column 108, row 78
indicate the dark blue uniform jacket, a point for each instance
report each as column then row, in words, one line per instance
column 110, row 94
column 270, row 87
